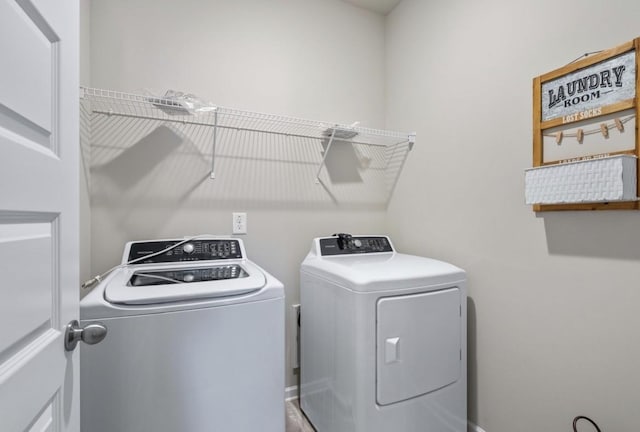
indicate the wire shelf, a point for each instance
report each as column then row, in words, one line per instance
column 157, row 108
column 118, row 118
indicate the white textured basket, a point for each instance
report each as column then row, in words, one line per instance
column 595, row 180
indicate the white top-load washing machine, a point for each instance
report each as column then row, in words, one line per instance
column 383, row 339
column 195, row 342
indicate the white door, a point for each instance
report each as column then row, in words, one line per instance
column 38, row 214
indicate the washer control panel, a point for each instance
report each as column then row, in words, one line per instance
column 192, row 250
column 346, row 244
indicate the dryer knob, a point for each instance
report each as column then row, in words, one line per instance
column 344, row 240
column 357, row 243
column 188, row 248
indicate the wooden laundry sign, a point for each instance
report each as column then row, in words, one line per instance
column 586, row 102
column 601, row 84
column 582, row 94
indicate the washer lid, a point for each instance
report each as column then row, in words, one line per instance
column 383, row 271
column 144, row 285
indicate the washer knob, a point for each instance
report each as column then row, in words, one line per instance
column 357, row 243
column 188, row 248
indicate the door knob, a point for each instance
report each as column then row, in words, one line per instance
column 90, row 334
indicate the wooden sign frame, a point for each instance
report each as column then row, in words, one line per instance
column 540, row 125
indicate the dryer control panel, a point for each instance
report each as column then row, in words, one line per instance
column 181, row 251
column 346, row 244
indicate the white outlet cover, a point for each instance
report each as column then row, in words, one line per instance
column 239, row 223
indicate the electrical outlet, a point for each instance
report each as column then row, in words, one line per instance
column 239, row 223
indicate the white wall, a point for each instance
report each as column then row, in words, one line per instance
column 313, row 59
column 554, row 296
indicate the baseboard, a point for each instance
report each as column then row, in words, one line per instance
column 472, row 427
column 292, row 393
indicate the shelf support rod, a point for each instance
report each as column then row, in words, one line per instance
column 213, row 147
column 324, row 157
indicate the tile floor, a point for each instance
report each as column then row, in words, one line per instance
column 296, row 421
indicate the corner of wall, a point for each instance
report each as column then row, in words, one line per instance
column 85, row 210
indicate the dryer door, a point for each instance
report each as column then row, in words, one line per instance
column 418, row 344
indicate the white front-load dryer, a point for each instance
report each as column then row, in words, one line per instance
column 383, row 339
column 195, row 342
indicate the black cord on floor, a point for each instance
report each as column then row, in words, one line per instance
column 575, row 423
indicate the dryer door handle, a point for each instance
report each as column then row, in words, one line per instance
column 391, row 350
column 90, row 334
